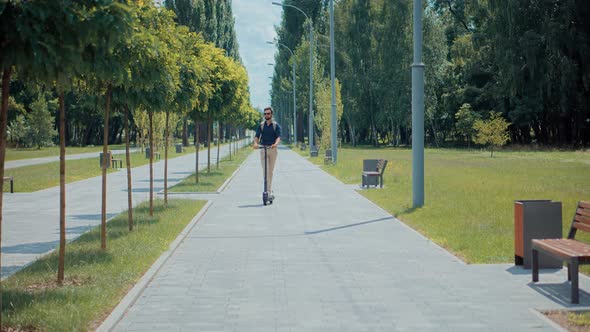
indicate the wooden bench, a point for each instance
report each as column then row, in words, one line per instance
column 11, row 183
column 569, row 250
column 115, row 162
column 156, row 155
column 373, row 175
column 328, row 157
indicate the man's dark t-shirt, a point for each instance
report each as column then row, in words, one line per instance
column 269, row 135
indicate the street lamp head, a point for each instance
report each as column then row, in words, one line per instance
column 270, row 64
column 277, row 3
column 269, row 42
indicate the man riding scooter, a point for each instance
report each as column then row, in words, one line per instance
column 268, row 135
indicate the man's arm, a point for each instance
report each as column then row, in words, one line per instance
column 278, row 140
column 258, row 134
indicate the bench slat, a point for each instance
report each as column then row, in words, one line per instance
column 584, row 204
column 583, row 212
column 582, row 219
column 581, row 226
column 564, row 247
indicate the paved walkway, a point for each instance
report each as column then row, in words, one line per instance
column 324, row 258
column 30, row 226
column 45, row 160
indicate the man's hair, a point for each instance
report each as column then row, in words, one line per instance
column 268, row 108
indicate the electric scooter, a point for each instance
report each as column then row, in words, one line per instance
column 267, row 198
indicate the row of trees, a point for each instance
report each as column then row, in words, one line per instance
column 525, row 60
column 213, row 19
column 127, row 55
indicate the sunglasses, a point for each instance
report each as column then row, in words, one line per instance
column 266, row 113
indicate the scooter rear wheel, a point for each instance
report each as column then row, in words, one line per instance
column 265, row 198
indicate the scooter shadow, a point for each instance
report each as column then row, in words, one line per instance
column 250, row 206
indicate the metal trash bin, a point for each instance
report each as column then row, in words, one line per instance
column 178, row 148
column 369, row 165
column 109, row 158
column 536, row 219
column 313, row 151
column 147, row 153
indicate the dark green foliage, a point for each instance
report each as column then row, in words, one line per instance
column 39, row 124
column 528, row 60
column 212, row 18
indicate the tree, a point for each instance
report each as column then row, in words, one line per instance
column 465, row 122
column 17, row 130
column 159, row 73
column 492, row 132
column 40, row 124
column 12, row 53
column 142, row 124
column 190, row 13
column 59, row 37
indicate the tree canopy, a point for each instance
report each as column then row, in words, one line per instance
column 527, row 60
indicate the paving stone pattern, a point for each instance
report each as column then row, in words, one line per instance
column 324, row 258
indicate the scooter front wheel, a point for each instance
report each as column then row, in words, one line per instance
column 265, row 198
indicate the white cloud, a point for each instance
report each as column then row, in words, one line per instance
column 255, row 21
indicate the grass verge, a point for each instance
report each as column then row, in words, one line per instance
column 95, row 280
column 469, row 197
column 577, row 321
column 43, row 176
column 210, row 182
column 28, row 153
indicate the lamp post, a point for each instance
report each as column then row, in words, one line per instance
column 333, row 81
column 418, row 110
column 310, row 130
column 294, row 88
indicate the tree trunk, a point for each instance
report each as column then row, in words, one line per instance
column 350, row 132
column 434, row 134
column 166, row 161
column 3, row 136
column 151, row 130
column 209, row 129
column 88, row 134
column 128, row 160
column 231, row 142
column 218, row 144
column 185, row 132
column 105, row 161
column 196, row 151
column 236, row 142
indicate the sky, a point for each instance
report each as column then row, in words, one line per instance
column 255, row 25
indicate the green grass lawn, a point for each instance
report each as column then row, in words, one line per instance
column 210, row 182
column 27, row 153
column 95, row 280
column 469, row 197
column 43, row 176
column 581, row 319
